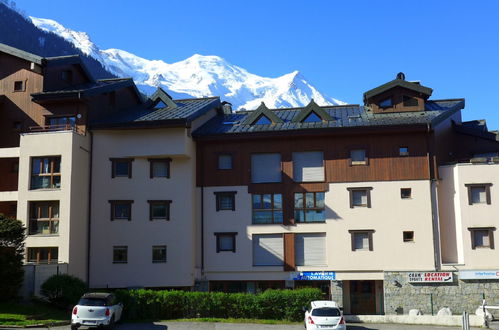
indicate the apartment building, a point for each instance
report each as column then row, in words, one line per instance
column 45, row 106
column 345, row 198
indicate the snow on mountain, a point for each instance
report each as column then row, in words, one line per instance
column 197, row 76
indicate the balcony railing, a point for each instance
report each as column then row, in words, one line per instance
column 53, row 128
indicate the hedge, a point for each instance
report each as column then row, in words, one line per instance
column 163, row 305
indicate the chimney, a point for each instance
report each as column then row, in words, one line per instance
column 227, row 107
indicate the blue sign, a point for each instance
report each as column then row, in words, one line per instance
column 315, row 276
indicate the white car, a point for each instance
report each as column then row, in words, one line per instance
column 324, row 314
column 96, row 310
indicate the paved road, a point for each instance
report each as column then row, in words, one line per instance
column 231, row 326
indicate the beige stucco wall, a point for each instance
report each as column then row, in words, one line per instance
column 457, row 215
column 72, row 196
column 389, row 216
column 140, row 234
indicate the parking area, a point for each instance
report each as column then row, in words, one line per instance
column 245, row 326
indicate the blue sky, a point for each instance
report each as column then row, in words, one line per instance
column 343, row 47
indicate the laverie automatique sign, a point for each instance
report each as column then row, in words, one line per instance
column 425, row 277
column 314, row 276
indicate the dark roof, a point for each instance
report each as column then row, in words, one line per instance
column 343, row 116
column 85, row 90
column 186, row 110
column 21, row 54
column 99, row 295
column 476, row 128
column 398, row 83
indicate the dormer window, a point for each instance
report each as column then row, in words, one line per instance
column 410, row 101
column 386, row 103
column 312, row 118
column 160, row 105
column 263, row 120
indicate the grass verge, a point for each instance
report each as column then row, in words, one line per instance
column 31, row 314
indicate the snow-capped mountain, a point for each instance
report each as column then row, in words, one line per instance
column 197, row 76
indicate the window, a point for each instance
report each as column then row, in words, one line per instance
column 159, row 209
column 268, row 250
column 479, row 193
column 159, row 254
column 19, row 86
column 225, row 162
column 67, row 76
column 403, row 151
column 267, row 208
column 43, row 255
column 482, row 237
column 310, row 207
column 61, row 122
column 408, row 236
column 265, row 168
column 310, row 249
column 263, row 120
column 308, row 166
column 362, row 240
column 225, row 200
column 405, row 193
column 121, row 210
column 44, row 218
column 312, row 118
column 358, row 157
column 121, row 167
column 45, row 172
column 159, row 167
column 386, row 103
column 360, row 197
column 120, row 254
column 226, row 242
column 410, row 101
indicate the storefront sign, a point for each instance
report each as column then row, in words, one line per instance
column 425, row 277
column 479, row 274
column 314, row 276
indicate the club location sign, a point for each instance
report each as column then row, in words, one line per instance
column 430, row 277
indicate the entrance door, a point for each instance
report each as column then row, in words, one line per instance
column 362, row 298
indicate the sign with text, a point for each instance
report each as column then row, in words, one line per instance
column 430, row 277
column 314, row 276
column 479, row 274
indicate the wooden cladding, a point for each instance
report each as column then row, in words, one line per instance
column 289, row 252
column 385, row 162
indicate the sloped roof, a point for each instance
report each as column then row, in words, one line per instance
column 344, row 116
column 20, row 53
column 398, row 83
column 186, row 110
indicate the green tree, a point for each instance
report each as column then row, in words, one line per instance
column 11, row 257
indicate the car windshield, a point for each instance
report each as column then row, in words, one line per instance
column 92, row 302
column 326, row 311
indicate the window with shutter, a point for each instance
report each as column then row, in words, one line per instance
column 308, row 166
column 310, row 249
column 266, row 168
column 268, row 250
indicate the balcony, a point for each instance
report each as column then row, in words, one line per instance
column 9, row 168
column 52, row 128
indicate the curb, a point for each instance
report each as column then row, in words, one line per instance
column 41, row 325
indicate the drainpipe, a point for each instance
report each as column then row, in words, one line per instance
column 202, row 211
column 89, row 206
column 434, row 202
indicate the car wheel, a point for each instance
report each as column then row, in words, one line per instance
column 111, row 323
column 74, row 327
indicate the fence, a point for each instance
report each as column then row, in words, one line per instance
column 35, row 275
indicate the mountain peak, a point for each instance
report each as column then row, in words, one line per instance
column 197, row 76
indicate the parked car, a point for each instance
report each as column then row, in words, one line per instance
column 324, row 314
column 95, row 310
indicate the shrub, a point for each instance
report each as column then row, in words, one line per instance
column 272, row 304
column 63, row 290
column 11, row 255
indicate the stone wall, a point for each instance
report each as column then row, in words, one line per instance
column 459, row 296
column 337, row 292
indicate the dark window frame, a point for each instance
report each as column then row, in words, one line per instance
column 487, row 186
column 159, row 202
column 366, row 156
column 369, row 233
column 114, row 161
column 406, row 100
column 38, row 250
column 50, row 173
column 218, row 199
column 22, row 86
column 232, row 235
column 408, row 236
column 305, row 208
column 272, row 209
column 368, row 195
column 113, row 203
column 34, row 207
column 403, row 193
column 229, row 154
column 491, row 237
column 159, row 261
column 120, row 247
column 166, row 161
column 403, row 153
column 390, row 99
